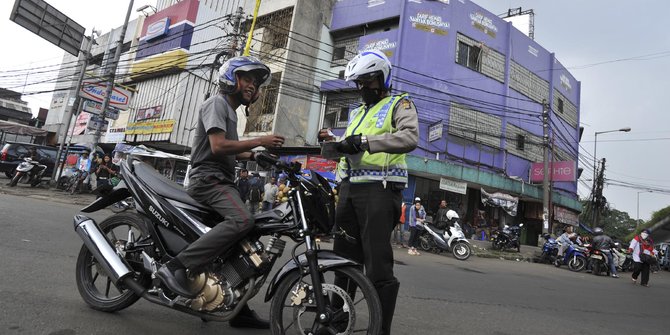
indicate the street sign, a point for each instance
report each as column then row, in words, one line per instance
column 96, row 122
column 95, row 108
column 96, row 91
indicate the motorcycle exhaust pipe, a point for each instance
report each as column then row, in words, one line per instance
column 103, row 251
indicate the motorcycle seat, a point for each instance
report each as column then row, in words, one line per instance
column 436, row 230
column 164, row 186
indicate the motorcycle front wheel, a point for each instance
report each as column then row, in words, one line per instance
column 461, row 251
column 577, row 263
column 355, row 306
column 95, row 286
column 15, row 179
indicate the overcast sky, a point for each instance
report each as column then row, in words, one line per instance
column 619, row 50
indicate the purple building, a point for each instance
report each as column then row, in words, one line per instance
column 479, row 85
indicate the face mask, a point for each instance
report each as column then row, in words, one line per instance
column 644, row 236
column 370, row 96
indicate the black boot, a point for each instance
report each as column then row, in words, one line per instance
column 173, row 275
column 247, row 318
column 387, row 296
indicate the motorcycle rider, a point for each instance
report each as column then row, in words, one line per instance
column 212, row 177
column 565, row 241
column 373, row 173
column 605, row 244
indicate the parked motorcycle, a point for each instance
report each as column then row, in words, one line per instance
column 119, row 259
column 28, row 172
column 508, row 238
column 574, row 257
column 549, row 250
column 439, row 240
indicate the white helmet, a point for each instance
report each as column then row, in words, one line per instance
column 367, row 65
column 452, row 215
column 417, row 199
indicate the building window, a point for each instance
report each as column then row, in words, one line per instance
column 560, row 105
column 469, row 56
column 340, row 75
column 261, row 113
column 338, row 106
column 338, row 53
column 520, row 142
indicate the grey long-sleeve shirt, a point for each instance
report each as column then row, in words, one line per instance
column 406, row 138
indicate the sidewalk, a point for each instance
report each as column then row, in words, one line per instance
column 44, row 192
column 483, row 249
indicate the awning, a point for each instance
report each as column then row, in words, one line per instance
column 21, row 129
column 502, row 200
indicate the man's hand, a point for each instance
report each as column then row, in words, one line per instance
column 272, row 141
column 326, row 135
column 351, row 145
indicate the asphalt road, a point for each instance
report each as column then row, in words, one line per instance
column 438, row 294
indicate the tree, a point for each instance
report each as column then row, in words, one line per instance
column 615, row 223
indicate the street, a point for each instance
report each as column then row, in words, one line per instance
column 438, row 294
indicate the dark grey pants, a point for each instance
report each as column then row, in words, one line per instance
column 369, row 212
column 237, row 221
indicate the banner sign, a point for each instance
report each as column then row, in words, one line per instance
column 94, row 107
column 560, row 171
column 435, row 131
column 149, row 113
column 96, row 122
column 453, row 186
column 150, row 127
column 565, row 216
column 502, row 200
column 96, row 91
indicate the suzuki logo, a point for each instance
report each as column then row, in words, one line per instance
column 158, row 216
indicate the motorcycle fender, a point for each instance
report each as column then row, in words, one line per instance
column 120, row 192
column 327, row 259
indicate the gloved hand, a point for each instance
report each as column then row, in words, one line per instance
column 351, row 145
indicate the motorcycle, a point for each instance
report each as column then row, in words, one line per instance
column 574, row 258
column 508, row 238
column 599, row 263
column 439, row 240
column 549, row 250
column 623, row 260
column 28, row 172
column 126, row 250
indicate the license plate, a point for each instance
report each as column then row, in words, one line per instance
column 597, row 257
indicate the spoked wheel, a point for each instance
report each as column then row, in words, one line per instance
column 577, row 263
column 94, row 285
column 354, row 304
column 462, row 251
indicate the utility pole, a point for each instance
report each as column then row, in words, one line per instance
column 111, row 71
column 237, row 19
column 598, row 202
column 75, row 105
column 547, row 171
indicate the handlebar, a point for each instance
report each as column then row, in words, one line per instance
column 267, row 160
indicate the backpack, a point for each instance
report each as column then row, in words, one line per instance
column 254, row 193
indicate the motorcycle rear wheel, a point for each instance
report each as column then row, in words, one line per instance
column 425, row 242
column 293, row 308
column 94, row 285
column 461, row 251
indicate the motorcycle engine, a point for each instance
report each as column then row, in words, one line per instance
column 224, row 284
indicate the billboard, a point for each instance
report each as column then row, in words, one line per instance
column 560, row 171
column 95, row 90
column 49, row 23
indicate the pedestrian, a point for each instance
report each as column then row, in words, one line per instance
column 373, row 172
column 642, row 248
column 417, row 214
column 399, row 230
column 212, row 176
column 441, row 220
column 242, row 184
column 105, row 171
column 270, row 194
column 83, row 167
column 255, row 193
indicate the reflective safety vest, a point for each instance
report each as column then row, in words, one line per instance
column 365, row 167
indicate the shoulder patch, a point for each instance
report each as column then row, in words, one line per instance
column 406, row 104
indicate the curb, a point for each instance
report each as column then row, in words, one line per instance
column 46, row 193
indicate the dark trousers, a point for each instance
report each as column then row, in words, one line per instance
column 641, row 268
column 368, row 212
column 237, row 223
column 414, row 237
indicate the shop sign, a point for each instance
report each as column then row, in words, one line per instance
column 560, row 171
column 97, row 91
column 502, row 200
column 94, row 107
column 483, row 23
column 453, row 186
column 149, row 113
column 150, row 127
column 565, row 216
column 435, row 131
column 429, row 23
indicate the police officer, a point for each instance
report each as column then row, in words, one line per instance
column 373, row 172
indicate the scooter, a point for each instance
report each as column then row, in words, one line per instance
column 599, row 263
column 623, row 260
column 28, row 172
column 507, row 239
column 574, row 258
column 433, row 238
column 549, row 250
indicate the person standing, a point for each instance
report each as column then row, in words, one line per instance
column 441, row 220
column 399, row 230
column 373, row 172
column 642, row 248
column 255, row 193
column 105, row 171
column 212, row 177
column 270, row 194
column 242, row 184
column 417, row 214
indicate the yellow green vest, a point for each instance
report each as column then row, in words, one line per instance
column 365, row 167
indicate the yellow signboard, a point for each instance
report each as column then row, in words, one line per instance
column 150, row 127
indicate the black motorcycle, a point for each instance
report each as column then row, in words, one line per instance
column 508, row 238
column 119, row 259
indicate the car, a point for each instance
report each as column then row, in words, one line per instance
column 12, row 154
